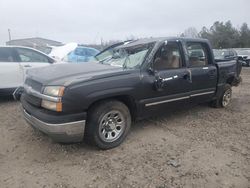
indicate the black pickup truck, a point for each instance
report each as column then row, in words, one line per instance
column 97, row 101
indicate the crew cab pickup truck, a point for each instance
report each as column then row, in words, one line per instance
column 96, row 101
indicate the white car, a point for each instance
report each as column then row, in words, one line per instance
column 14, row 62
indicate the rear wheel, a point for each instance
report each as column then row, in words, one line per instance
column 225, row 98
column 108, row 124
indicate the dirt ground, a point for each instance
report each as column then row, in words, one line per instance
column 199, row 147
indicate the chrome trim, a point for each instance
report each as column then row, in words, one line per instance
column 205, row 68
column 14, row 93
column 52, row 124
column 180, row 98
column 205, row 93
column 166, row 101
column 35, row 93
column 70, row 128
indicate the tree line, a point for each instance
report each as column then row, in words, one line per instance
column 222, row 35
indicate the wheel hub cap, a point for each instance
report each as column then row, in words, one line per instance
column 227, row 97
column 111, row 126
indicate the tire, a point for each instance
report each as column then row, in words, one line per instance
column 224, row 99
column 108, row 124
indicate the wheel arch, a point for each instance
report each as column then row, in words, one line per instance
column 128, row 100
column 230, row 80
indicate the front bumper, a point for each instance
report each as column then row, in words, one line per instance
column 63, row 132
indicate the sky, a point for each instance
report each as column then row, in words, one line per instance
column 91, row 21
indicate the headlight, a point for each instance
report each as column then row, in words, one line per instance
column 55, row 106
column 55, row 91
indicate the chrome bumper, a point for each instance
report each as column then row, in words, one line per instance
column 64, row 132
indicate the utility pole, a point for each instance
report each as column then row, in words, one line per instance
column 9, row 35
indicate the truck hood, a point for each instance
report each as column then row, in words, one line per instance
column 66, row 74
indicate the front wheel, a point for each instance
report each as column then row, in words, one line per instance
column 225, row 98
column 108, row 124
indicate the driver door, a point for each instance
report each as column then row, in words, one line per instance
column 170, row 81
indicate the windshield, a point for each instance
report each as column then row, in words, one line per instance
column 104, row 55
column 130, row 57
column 108, row 52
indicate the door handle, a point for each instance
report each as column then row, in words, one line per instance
column 27, row 66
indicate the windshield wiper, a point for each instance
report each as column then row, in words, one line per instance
column 105, row 59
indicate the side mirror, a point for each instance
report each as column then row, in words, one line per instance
column 151, row 71
column 158, row 83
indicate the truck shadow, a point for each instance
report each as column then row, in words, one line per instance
column 164, row 117
column 169, row 115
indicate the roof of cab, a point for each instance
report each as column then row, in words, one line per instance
column 162, row 39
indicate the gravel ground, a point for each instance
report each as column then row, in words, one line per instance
column 199, row 147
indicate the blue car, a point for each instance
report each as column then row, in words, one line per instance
column 81, row 54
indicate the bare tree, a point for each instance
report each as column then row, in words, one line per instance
column 190, row 32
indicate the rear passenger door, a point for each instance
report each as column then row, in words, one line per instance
column 203, row 71
column 10, row 72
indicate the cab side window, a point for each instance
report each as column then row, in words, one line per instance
column 27, row 55
column 197, row 55
column 168, row 57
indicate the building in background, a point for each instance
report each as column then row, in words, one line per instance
column 38, row 43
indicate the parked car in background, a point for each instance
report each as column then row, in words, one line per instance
column 81, row 54
column 97, row 101
column 59, row 52
column 244, row 55
column 14, row 62
column 224, row 54
column 74, row 53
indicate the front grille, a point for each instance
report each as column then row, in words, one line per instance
column 35, row 101
column 34, row 84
